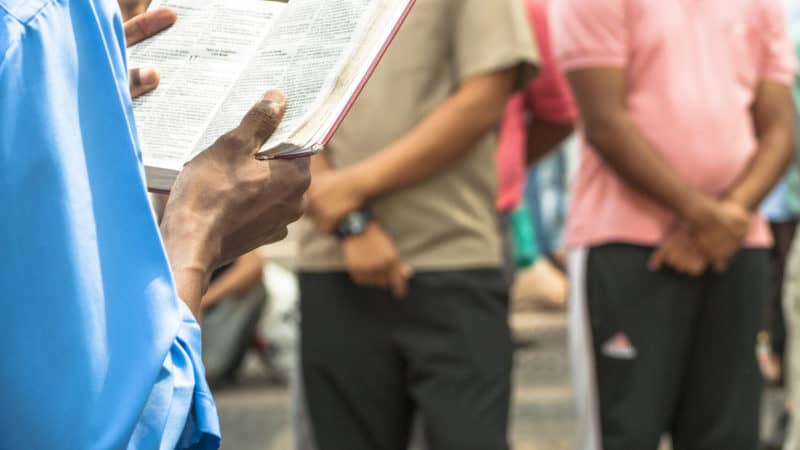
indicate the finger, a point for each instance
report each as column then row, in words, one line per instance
column 142, row 81
column 148, row 24
column 697, row 267
column 656, row 261
column 361, row 278
column 263, row 119
column 398, row 280
column 378, row 279
column 369, row 277
column 720, row 265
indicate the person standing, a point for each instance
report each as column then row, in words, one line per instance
column 791, row 276
column 687, row 123
column 403, row 301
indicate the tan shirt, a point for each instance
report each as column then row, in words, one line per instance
column 449, row 220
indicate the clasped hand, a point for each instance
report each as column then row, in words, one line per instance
column 710, row 238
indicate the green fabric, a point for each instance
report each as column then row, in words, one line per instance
column 523, row 233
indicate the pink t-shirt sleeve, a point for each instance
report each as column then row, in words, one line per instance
column 589, row 33
column 779, row 61
column 548, row 97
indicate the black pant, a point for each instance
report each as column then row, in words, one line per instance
column 774, row 323
column 674, row 353
column 370, row 361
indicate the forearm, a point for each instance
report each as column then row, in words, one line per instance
column 446, row 135
column 774, row 123
column 601, row 93
column 190, row 256
column 543, row 137
column 625, row 149
column 191, row 284
column 765, row 169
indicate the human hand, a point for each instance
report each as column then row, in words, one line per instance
column 679, row 252
column 137, row 29
column 132, row 8
column 226, row 202
column 719, row 228
column 372, row 260
column 331, row 197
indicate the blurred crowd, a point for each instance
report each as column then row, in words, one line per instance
column 630, row 163
column 659, row 210
column 666, row 211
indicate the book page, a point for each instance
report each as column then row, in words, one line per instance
column 321, row 125
column 302, row 55
column 199, row 59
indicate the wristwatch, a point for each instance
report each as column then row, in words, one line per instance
column 353, row 224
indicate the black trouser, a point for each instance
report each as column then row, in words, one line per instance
column 674, row 354
column 773, row 312
column 370, row 361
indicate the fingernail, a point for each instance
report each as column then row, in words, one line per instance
column 275, row 96
column 148, row 76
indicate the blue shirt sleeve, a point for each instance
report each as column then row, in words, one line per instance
column 99, row 351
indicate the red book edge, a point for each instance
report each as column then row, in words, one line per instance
column 320, row 145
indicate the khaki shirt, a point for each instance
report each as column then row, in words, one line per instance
column 449, row 220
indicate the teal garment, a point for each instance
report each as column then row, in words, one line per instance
column 98, row 351
column 523, row 233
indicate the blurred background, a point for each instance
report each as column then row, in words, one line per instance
column 251, row 319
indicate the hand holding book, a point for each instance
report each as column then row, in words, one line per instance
column 225, row 202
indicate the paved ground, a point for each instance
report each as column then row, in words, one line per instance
column 255, row 414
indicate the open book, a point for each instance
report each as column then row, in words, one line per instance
column 222, row 55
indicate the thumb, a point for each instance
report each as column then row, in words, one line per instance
column 263, row 119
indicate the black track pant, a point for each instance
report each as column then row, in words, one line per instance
column 370, row 361
column 657, row 353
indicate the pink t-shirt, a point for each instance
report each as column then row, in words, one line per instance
column 547, row 97
column 692, row 68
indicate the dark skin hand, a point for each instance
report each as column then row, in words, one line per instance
column 137, row 29
column 773, row 118
column 225, row 202
column 716, row 226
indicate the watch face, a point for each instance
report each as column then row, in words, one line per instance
column 354, row 223
column 358, row 223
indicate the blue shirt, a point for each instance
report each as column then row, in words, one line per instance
column 98, row 351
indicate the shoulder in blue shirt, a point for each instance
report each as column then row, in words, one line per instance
column 99, row 351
